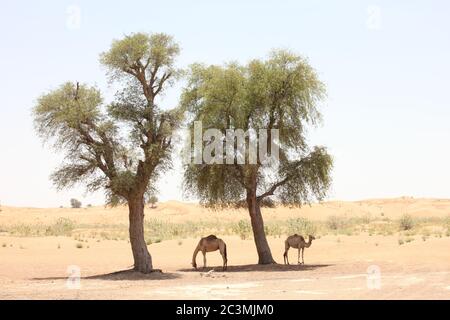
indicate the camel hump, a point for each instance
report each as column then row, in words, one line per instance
column 211, row 237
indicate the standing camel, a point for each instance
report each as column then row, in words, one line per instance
column 297, row 242
column 209, row 244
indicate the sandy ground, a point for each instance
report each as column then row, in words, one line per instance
column 336, row 267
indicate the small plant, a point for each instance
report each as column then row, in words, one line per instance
column 243, row 229
column 335, row 222
column 158, row 240
column 409, row 239
column 4, row 245
column 180, row 242
column 366, row 219
column 301, row 226
column 424, row 238
column 62, row 227
column 59, row 246
column 79, row 245
column 148, row 242
column 400, row 241
column 406, row 222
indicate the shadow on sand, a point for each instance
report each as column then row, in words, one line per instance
column 260, row 267
column 123, row 275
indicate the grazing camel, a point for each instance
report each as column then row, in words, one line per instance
column 297, row 242
column 209, row 244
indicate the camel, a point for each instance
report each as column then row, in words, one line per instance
column 209, row 244
column 298, row 242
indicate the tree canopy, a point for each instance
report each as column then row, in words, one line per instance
column 120, row 146
column 281, row 93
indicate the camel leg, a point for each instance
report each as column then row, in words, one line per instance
column 298, row 257
column 224, row 262
column 204, row 259
column 303, row 251
column 223, row 253
column 286, row 256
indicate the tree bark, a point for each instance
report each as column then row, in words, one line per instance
column 142, row 258
column 259, row 234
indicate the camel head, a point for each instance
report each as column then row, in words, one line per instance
column 311, row 238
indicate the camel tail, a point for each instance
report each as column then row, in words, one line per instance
column 225, row 250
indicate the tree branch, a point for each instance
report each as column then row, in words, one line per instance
column 272, row 189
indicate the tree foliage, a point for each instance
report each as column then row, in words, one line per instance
column 123, row 145
column 75, row 204
column 281, row 93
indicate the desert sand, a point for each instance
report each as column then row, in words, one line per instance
column 338, row 266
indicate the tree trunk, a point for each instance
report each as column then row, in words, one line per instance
column 259, row 234
column 142, row 258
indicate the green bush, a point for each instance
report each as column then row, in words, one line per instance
column 336, row 222
column 62, row 227
column 301, row 226
column 243, row 229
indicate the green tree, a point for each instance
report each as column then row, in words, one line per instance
column 123, row 146
column 76, row 204
column 281, row 93
column 152, row 200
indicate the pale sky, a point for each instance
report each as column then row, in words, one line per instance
column 385, row 63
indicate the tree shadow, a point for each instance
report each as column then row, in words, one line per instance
column 260, row 267
column 121, row 275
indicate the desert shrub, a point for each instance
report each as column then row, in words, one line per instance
column 24, row 230
column 243, row 229
column 62, row 227
column 336, row 222
column 79, row 245
column 273, row 229
column 409, row 239
column 406, row 222
column 366, row 219
column 74, row 203
column 447, row 224
column 301, row 226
